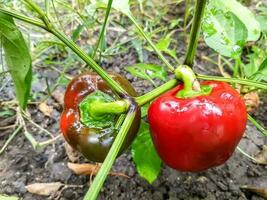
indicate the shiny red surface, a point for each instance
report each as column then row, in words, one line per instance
column 197, row 133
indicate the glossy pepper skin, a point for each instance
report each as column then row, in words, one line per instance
column 93, row 143
column 197, row 133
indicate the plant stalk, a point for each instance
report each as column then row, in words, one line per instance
column 194, row 33
column 29, row 20
column 186, row 74
column 121, row 106
column 40, row 12
column 68, row 42
column 257, row 125
column 102, row 73
column 98, row 108
column 234, row 80
column 142, row 100
column 103, row 29
column 94, row 189
column 10, row 139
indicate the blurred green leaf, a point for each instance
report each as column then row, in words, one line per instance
column 175, row 22
column 148, row 71
column 119, row 5
column 163, row 45
column 6, row 113
column 4, row 197
column 147, row 161
column 224, row 32
column 144, row 110
column 262, row 17
column 256, row 68
column 76, row 32
column 17, row 57
column 261, row 74
column 63, row 80
column 137, row 44
column 242, row 13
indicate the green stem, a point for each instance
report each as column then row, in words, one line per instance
column 234, row 80
column 29, row 20
column 257, row 125
column 245, row 154
column 236, row 68
column 142, row 100
column 68, row 42
column 98, row 108
column 10, row 139
column 194, row 34
column 103, row 27
column 47, row 7
column 40, row 12
column 192, row 87
column 186, row 74
column 113, row 84
column 186, row 14
column 121, row 106
column 94, row 189
column 160, row 55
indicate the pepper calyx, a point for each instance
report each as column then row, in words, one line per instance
column 192, row 87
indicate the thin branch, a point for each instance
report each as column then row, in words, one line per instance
column 17, row 15
column 10, row 139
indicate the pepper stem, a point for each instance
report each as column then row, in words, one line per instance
column 194, row 33
column 98, row 108
column 192, row 87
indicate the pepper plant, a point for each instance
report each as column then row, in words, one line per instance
column 102, row 112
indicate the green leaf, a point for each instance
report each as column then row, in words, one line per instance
column 242, row 13
column 119, row 5
column 4, row 197
column 148, row 71
column 17, row 57
column 137, row 44
column 224, row 32
column 86, row 118
column 144, row 109
column 146, row 159
column 261, row 74
column 262, row 17
column 256, row 61
column 163, row 45
column 63, row 80
column 263, row 22
column 76, row 33
column 6, row 113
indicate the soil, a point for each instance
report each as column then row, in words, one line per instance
column 21, row 165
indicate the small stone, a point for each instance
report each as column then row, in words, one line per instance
column 117, row 69
column 69, row 194
column 129, row 77
column 60, row 172
column 9, row 190
column 222, row 186
column 157, row 195
column 131, row 172
column 19, row 187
